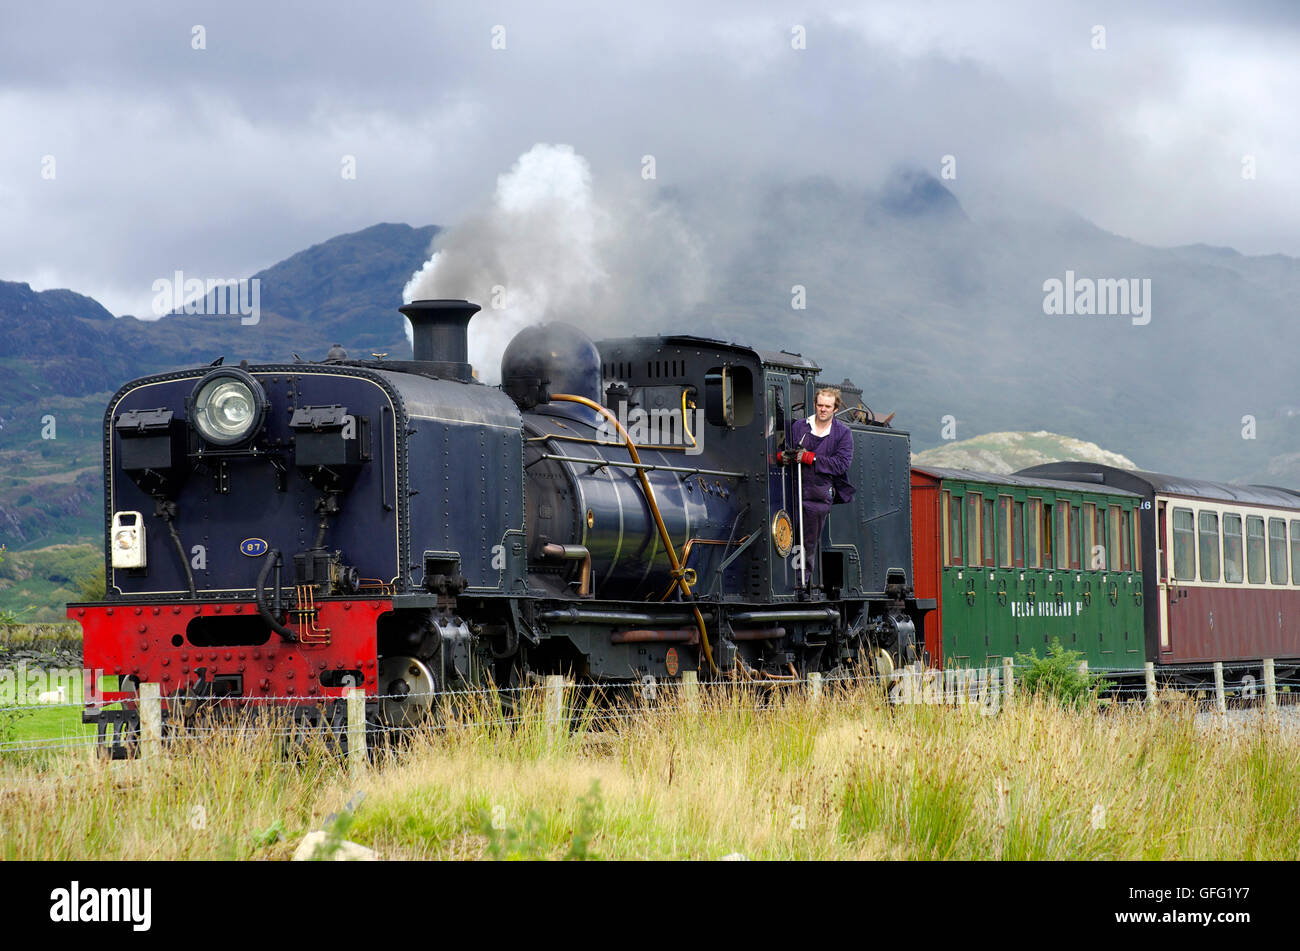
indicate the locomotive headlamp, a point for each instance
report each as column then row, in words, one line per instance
column 228, row 407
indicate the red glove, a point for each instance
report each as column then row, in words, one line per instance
column 807, row 457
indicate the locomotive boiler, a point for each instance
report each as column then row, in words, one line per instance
column 615, row 510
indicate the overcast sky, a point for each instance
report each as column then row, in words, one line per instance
column 222, row 160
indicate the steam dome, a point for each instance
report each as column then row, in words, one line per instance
column 552, row 358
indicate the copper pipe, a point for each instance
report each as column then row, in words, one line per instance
column 681, row 635
column 757, row 634
column 573, row 553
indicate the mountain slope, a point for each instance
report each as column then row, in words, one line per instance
column 62, row 355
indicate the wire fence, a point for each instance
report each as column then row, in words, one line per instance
column 592, row 706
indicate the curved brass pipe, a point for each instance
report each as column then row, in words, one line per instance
column 678, row 572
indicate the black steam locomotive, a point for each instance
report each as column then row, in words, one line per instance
column 614, row 510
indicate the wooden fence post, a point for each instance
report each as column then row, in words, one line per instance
column 553, row 702
column 150, row 721
column 1152, row 698
column 1220, row 697
column 356, row 699
column 691, row 690
column 815, row 686
column 1008, row 682
column 1270, row 686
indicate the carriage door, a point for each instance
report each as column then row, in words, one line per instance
column 784, row 510
column 1166, row 588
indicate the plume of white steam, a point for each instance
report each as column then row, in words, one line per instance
column 548, row 249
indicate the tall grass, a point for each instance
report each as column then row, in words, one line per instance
column 769, row 776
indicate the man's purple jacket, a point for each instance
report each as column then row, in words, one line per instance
column 826, row 478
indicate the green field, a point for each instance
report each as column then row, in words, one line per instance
column 36, row 584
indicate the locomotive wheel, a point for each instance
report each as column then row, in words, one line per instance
column 883, row 664
column 406, row 688
column 900, row 641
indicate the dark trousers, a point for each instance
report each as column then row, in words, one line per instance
column 814, row 520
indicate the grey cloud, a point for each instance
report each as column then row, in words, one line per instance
column 223, row 160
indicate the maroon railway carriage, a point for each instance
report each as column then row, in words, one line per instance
column 1222, row 560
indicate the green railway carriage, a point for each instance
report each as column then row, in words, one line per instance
column 1015, row 561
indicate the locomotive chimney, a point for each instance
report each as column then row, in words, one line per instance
column 439, row 336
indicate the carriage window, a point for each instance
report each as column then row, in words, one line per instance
column 954, row 531
column 1209, row 537
column 1137, row 540
column 1255, row 570
column 1075, row 523
column 1126, row 541
column 1018, row 534
column 1233, row 566
column 1116, row 544
column 1162, row 543
column 1098, row 555
column 1062, row 535
column 1004, row 531
column 990, row 534
column 1295, row 551
column 945, row 550
column 974, row 534
column 1033, row 536
column 1047, row 536
column 1184, row 545
column 1277, row 550
column 1090, row 535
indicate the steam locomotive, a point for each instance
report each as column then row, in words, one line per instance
column 615, row 510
